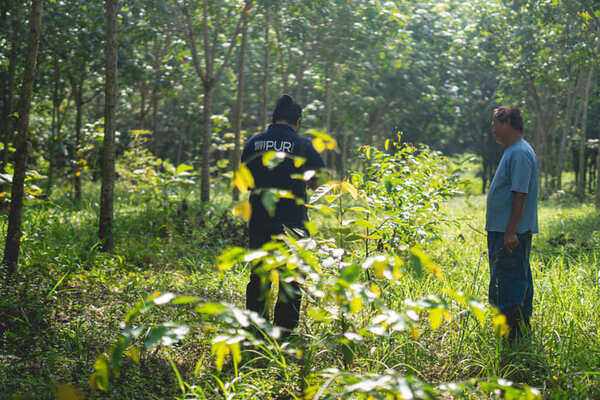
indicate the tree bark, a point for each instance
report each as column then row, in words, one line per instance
column 7, row 128
column 582, row 143
column 77, row 89
column 206, row 142
column 108, row 151
column 13, row 233
column 239, row 106
column 209, row 76
column 573, row 93
column 300, row 77
column 265, row 85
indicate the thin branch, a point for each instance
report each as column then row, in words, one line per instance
column 247, row 7
column 189, row 33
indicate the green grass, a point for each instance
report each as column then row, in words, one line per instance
column 70, row 300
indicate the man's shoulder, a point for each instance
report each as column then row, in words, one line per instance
column 521, row 149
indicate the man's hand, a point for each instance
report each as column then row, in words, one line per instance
column 511, row 241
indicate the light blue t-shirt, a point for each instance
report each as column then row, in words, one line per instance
column 517, row 172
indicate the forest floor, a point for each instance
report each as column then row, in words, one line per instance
column 70, row 300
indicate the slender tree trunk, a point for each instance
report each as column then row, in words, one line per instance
column 330, row 153
column 53, row 129
column 210, row 77
column 206, row 142
column 143, row 110
column 582, row 143
column 108, row 151
column 598, row 179
column 300, row 77
column 154, row 128
column 344, row 156
column 7, row 128
column 13, row 233
column 265, row 85
column 573, row 92
column 239, row 106
column 77, row 89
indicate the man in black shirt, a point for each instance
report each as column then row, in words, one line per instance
column 281, row 136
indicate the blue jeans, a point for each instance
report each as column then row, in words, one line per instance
column 510, row 273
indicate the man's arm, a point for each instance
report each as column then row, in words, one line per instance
column 516, row 213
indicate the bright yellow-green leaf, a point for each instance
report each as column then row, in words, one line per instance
column 318, row 144
column 220, row 350
column 478, row 310
column 356, row 304
column 387, row 144
column 332, row 144
column 236, row 352
column 274, row 277
column 447, row 316
column 348, row 188
column 500, row 325
column 310, row 227
column 436, row 316
column 133, row 353
column 99, row 379
column 299, row 161
column 243, row 179
column 243, row 210
column 375, row 289
column 415, row 333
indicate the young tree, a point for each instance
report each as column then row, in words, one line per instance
column 13, row 233
column 210, row 73
column 108, row 151
column 239, row 104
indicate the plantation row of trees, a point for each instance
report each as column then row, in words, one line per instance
column 201, row 76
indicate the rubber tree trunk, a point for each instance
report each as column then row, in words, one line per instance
column 77, row 88
column 300, row 76
column 206, row 142
column 265, row 83
column 13, row 233
column 108, row 151
column 239, row 106
column 7, row 127
column 598, row 180
column 56, row 100
column 586, row 100
column 573, row 93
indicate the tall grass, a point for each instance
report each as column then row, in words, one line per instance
column 71, row 300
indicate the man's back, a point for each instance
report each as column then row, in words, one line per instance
column 279, row 138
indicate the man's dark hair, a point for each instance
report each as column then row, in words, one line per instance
column 510, row 114
column 286, row 109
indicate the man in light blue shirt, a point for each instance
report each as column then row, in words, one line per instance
column 511, row 219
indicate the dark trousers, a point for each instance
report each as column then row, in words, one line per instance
column 287, row 308
column 511, row 284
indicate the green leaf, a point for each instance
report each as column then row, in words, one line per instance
column 478, row 310
column 100, row 377
column 269, row 201
column 272, row 159
column 211, row 308
column 350, row 273
column 436, row 315
column 183, row 168
column 229, row 258
column 185, row 300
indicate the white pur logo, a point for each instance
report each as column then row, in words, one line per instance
column 274, row 145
